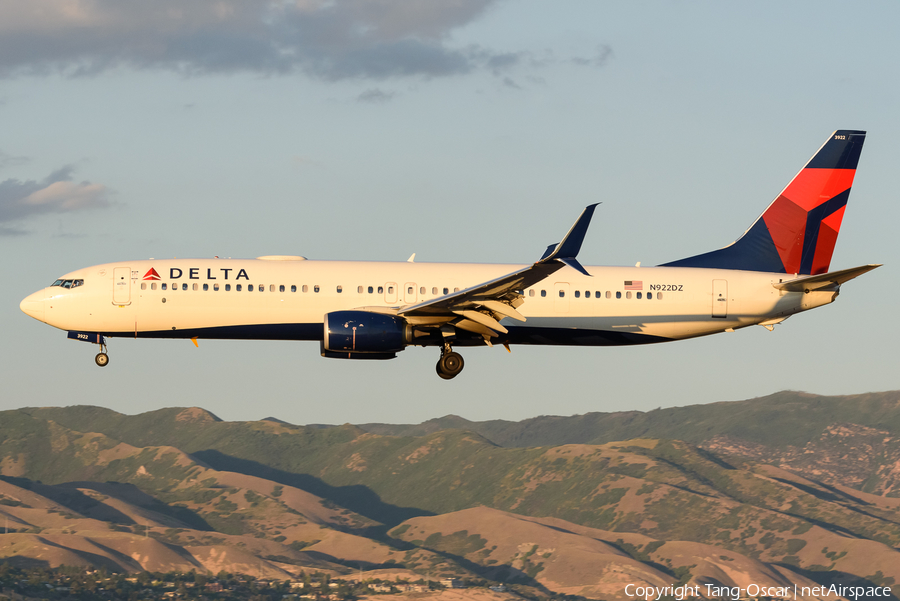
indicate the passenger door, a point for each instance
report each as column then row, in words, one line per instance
column 122, row 286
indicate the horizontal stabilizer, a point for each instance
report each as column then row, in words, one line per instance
column 816, row 282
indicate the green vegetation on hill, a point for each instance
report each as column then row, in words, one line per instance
column 758, row 478
column 778, row 420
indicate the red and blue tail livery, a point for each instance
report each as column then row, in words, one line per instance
column 797, row 232
column 375, row 310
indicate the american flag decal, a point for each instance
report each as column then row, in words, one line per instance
column 634, row 285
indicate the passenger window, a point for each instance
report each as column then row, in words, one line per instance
column 649, row 296
column 249, row 287
column 359, row 290
column 227, row 287
column 261, row 288
column 659, row 296
column 531, row 292
column 184, row 286
column 195, row 287
column 543, row 293
column 271, row 287
column 163, row 286
column 153, row 286
column 597, row 293
column 628, row 295
column 618, row 295
column 577, row 294
column 562, row 293
column 422, row 290
column 380, row 289
column 434, row 291
column 371, row 290
column 305, row 288
column 316, row 288
column 446, row 291
column 237, row 287
column 456, row 290
column 409, row 290
column 216, row 286
column 340, row 289
column 143, row 285
column 638, row 295
column 281, row 288
column 293, row 287
column 205, row 287
column 587, row 294
column 390, row 289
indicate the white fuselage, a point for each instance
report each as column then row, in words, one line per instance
column 281, row 298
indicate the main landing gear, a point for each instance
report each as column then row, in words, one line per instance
column 450, row 363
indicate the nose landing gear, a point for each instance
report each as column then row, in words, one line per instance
column 102, row 359
column 450, row 363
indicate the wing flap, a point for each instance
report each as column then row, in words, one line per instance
column 485, row 320
column 477, row 328
column 503, row 309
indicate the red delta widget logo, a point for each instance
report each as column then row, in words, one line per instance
column 194, row 273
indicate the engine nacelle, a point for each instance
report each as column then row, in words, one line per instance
column 364, row 335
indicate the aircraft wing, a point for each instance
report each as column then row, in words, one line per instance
column 824, row 280
column 480, row 308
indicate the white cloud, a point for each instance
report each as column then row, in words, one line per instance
column 68, row 196
column 327, row 39
column 375, row 96
column 56, row 193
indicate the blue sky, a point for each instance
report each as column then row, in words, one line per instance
column 461, row 131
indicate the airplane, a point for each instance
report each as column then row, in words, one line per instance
column 374, row 310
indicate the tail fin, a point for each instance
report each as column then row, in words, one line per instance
column 797, row 233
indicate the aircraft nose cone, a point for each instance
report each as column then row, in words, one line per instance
column 33, row 306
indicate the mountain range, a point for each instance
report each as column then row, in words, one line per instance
column 789, row 489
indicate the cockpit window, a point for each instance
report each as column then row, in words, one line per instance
column 68, row 283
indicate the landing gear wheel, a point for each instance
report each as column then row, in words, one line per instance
column 449, row 365
column 444, row 376
column 102, row 359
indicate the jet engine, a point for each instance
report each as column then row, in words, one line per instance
column 364, row 335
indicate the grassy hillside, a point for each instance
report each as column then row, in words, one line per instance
column 345, row 496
